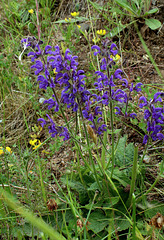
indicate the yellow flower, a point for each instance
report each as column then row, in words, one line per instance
column 31, row 11
column 54, row 70
column 1, row 151
column 32, row 142
column 36, row 146
column 101, row 32
column 67, row 20
column 8, row 149
column 96, row 40
column 78, row 26
column 74, row 14
column 115, row 58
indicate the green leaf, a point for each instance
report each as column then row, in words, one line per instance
column 116, row 30
column 152, row 23
column 124, row 4
column 121, row 177
column 154, row 10
column 98, row 221
column 97, row 6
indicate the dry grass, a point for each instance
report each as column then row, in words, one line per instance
column 16, row 114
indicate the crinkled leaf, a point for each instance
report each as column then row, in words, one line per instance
column 97, row 221
column 107, row 203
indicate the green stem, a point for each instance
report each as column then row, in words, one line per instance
column 89, row 148
column 134, row 175
column 134, row 217
column 112, row 128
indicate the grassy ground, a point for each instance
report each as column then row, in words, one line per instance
column 90, row 186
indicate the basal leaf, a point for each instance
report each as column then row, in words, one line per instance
column 125, row 5
column 154, row 10
column 152, row 23
column 98, row 221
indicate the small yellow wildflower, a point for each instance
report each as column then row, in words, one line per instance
column 67, row 20
column 8, row 149
column 36, row 146
column 33, row 135
column 31, row 11
column 54, row 70
column 75, row 14
column 115, row 58
column 32, row 142
column 1, row 151
column 101, row 32
column 79, row 26
column 96, row 40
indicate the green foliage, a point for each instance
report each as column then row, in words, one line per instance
column 84, row 194
column 140, row 9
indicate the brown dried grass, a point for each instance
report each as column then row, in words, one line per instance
column 17, row 115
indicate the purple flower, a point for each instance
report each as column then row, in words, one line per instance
column 39, row 66
column 141, row 105
column 101, row 129
column 138, row 87
column 97, row 48
column 118, row 110
column 160, row 136
column 51, row 103
column 103, row 64
column 117, row 74
column 43, row 122
column 154, row 117
column 146, row 137
column 157, row 98
column 113, row 50
column 111, row 83
column 43, row 82
column 48, row 49
column 65, row 133
column 133, row 115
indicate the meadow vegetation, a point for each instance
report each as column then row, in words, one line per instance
column 81, row 120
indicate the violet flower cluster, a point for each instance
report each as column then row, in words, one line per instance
column 50, row 62
column 154, row 115
column 108, row 81
column 57, row 70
